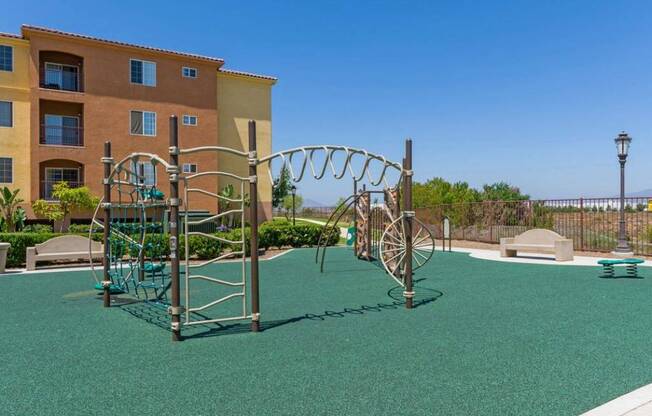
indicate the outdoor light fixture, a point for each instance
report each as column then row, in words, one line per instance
column 293, row 190
column 622, row 144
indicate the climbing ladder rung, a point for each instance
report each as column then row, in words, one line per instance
column 223, row 256
column 214, row 217
column 214, row 237
column 215, row 302
column 212, row 279
column 210, row 321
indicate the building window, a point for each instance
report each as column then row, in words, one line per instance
column 143, row 72
column 143, row 123
column 6, row 170
column 61, row 130
column 189, row 72
column 6, row 58
column 189, row 168
column 145, row 172
column 6, row 114
column 189, row 120
column 61, row 77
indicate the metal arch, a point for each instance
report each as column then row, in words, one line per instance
column 308, row 153
column 213, row 149
column 118, row 167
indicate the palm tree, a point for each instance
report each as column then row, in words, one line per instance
column 9, row 203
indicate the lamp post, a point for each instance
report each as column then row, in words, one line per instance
column 293, row 190
column 622, row 143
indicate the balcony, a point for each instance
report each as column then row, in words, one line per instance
column 60, row 71
column 48, row 186
column 54, row 171
column 61, row 135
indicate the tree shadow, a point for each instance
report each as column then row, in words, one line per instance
column 156, row 314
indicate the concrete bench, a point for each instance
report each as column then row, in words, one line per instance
column 66, row 247
column 538, row 241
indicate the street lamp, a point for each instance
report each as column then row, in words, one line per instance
column 622, row 143
column 293, row 190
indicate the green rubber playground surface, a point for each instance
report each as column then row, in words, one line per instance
column 487, row 338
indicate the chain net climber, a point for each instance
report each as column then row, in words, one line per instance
column 137, row 247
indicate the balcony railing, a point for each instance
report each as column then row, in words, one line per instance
column 62, row 135
column 61, row 80
column 48, row 186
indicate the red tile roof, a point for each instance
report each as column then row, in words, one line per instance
column 28, row 28
column 248, row 74
column 10, row 35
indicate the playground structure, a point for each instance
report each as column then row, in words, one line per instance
column 134, row 225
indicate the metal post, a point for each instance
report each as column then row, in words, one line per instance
column 175, row 308
column 143, row 221
column 294, row 214
column 623, row 245
column 106, row 283
column 355, row 216
column 253, row 219
column 409, row 215
column 581, row 223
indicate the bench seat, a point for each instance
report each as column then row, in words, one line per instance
column 538, row 241
column 65, row 247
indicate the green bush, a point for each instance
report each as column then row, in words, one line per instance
column 37, row 228
column 83, row 229
column 271, row 234
column 19, row 243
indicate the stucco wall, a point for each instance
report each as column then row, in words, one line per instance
column 240, row 99
column 14, row 141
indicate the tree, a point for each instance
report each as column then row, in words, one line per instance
column 67, row 199
column 439, row 191
column 287, row 204
column 502, row 191
column 281, row 188
column 11, row 214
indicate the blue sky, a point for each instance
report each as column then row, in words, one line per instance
column 528, row 92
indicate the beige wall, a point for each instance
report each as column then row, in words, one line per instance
column 240, row 99
column 14, row 141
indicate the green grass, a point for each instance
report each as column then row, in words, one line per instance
column 487, row 338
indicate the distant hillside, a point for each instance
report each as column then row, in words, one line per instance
column 312, row 203
column 644, row 192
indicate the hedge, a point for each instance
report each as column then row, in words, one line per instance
column 276, row 234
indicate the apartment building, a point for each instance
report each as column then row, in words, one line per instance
column 62, row 95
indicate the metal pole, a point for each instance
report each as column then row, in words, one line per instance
column 581, row 223
column 355, row 216
column 175, row 308
column 623, row 245
column 143, row 222
column 106, row 283
column 293, row 210
column 409, row 215
column 253, row 219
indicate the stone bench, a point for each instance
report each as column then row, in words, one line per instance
column 538, row 241
column 66, row 247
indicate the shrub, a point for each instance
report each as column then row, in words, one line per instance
column 37, row 228
column 19, row 243
column 283, row 234
column 83, row 229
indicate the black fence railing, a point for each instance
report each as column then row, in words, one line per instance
column 62, row 135
column 592, row 223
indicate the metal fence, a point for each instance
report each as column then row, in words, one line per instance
column 592, row 223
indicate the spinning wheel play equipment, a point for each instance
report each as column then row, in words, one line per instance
column 135, row 225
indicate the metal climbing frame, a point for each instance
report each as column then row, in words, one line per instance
column 190, row 267
column 307, row 157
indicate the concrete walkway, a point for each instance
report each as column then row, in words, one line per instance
column 533, row 258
